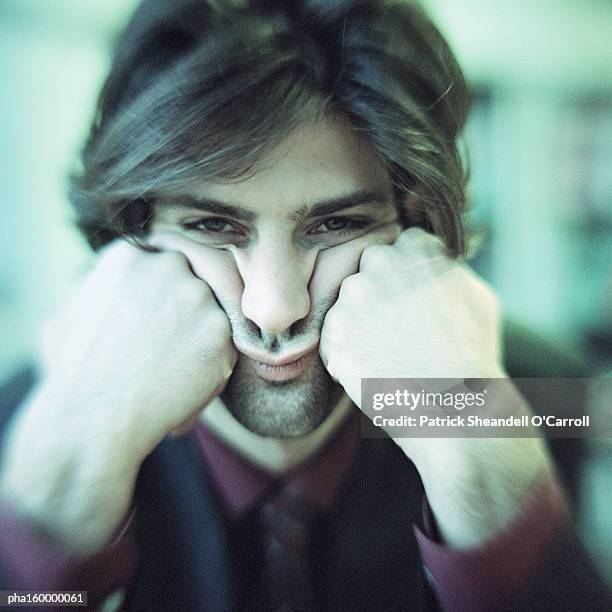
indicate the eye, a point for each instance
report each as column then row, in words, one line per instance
column 338, row 225
column 213, row 225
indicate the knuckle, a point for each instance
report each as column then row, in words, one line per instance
column 485, row 295
column 329, row 331
column 116, row 248
column 171, row 260
column 413, row 234
column 418, row 238
column 330, row 318
column 374, row 256
column 353, row 288
column 220, row 351
column 118, row 254
column 215, row 327
column 197, row 292
column 218, row 320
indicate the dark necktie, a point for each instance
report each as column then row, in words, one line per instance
column 289, row 523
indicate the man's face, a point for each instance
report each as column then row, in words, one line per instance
column 276, row 248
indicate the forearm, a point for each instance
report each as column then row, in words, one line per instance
column 28, row 563
column 73, row 487
column 476, row 486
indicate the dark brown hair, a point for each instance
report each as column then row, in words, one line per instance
column 203, row 89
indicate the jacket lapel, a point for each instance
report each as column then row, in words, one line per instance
column 369, row 558
column 181, row 535
column 373, row 561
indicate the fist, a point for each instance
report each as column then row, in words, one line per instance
column 142, row 344
column 411, row 312
column 140, row 348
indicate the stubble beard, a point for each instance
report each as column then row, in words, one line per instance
column 281, row 409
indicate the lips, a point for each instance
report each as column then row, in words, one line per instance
column 280, row 373
column 279, row 369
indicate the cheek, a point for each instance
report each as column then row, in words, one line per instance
column 218, row 268
column 335, row 264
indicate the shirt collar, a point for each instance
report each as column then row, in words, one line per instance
column 242, row 485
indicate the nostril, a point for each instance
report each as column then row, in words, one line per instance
column 254, row 329
column 297, row 328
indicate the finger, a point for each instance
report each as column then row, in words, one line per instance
column 119, row 248
column 420, row 245
column 324, row 342
column 333, row 265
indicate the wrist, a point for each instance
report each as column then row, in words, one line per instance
column 476, row 487
column 66, row 481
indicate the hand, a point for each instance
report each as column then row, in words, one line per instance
column 412, row 312
column 141, row 347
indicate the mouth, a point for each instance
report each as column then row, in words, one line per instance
column 279, row 369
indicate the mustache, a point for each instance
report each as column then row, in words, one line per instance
column 299, row 335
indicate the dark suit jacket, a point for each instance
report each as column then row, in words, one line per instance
column 368, row 557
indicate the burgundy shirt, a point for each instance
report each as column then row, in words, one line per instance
column 467, row 579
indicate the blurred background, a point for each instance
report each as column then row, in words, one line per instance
column 539, row 142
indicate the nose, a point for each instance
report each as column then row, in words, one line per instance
column 275, row 285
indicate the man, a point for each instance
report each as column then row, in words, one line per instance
column 287, row 177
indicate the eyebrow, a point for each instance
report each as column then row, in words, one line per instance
column 210, row 205
column 315, row 209
column 334, row 205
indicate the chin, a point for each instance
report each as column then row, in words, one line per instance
column 281, row 409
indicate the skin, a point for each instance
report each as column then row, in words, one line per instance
column 230, row 290
column 276, row 274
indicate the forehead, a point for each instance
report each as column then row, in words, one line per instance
column 316, row 162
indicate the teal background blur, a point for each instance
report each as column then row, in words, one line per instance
column 539, row 140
